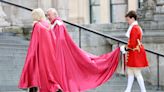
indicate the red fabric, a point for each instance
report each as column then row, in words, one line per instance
column 54, row 61
column 52, row 22
column 136, row 58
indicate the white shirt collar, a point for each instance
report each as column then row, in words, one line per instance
column 130, row 28
column 56, row 22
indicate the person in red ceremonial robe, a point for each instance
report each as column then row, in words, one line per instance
column 55, row 62
column 136, row 55
column 77, row 70
column 39, row 46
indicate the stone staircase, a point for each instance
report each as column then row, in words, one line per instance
column 152, row 33
column 12, row 55
column 118, row 84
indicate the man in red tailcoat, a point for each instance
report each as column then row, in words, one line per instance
column 136, row 55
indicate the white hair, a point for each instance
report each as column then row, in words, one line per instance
column 38, row 14
column 53, row 10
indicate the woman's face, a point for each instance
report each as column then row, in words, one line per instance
column 130, row 20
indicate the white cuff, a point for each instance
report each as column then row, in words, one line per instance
column 122, row 48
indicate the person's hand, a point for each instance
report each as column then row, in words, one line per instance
column 122, row 48
column 137, row 48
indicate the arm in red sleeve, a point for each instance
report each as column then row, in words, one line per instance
column 134, row 35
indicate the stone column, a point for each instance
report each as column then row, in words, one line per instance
column 62, row 8
column 3, row 22
column 132, row 5
column 16, row 16
column 104, row 11
column 119, row 9
column 44, row 4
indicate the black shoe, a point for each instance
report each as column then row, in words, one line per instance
column 59, row 90
column 34, row 89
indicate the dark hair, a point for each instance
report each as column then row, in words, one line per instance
column 131, row 14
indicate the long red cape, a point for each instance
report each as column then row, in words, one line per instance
column 54, row 61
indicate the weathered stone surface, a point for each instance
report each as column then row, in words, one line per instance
column 159, row 9
column 149, row 4
column 118, row 1
column 118, row 12
column 160, row 2
column 13, row 29
column 3, row 22
column 159, row 17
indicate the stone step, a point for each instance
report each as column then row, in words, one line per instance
column 12, row 53
column 13, row 91
column 108, row 88
column 13, row 38
column 111, row 90
column 8, row 37
column 13, row 41
column 118, row 84
column 146, row 32
column 13, row 45
column 12, row 57
column 10, row 62
column 10, row 79
column 159, row 17
column 13, row 50
column 7, row 34
column 10, row 88
column 148, row 36
column 10, row 67
column 16, row 61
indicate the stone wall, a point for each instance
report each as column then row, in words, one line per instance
column 17, row 16
column 21, row 17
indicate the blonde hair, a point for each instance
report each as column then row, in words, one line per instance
column 53, row 10
column 38, row 14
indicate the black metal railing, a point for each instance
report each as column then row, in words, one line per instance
column 158, row 55
column 3, row 1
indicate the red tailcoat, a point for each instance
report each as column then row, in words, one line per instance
column 136, row 58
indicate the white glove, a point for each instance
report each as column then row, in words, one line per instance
column 122, row 48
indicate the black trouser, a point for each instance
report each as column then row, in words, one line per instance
column 59, row 90
column 34, row 89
